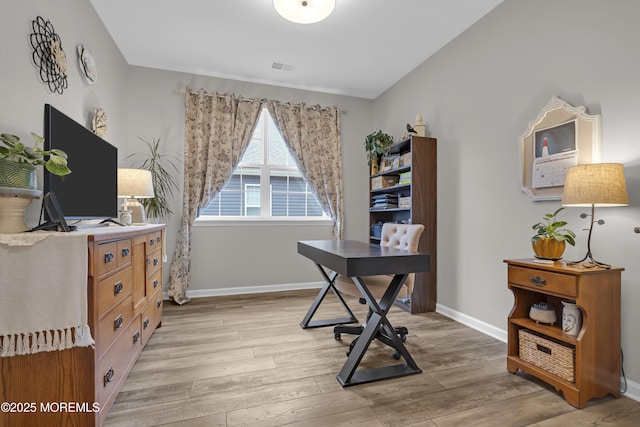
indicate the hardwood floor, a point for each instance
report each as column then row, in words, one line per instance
column 244, row 361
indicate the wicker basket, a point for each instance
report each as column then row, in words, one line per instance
column 404, row 202
column 384, row 181
column 548, row 355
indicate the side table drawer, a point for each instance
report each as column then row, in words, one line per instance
column 544, row 281
column 113, row 289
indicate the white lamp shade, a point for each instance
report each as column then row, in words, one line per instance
column 597, row 184
column 135, row 183
column 304, row 11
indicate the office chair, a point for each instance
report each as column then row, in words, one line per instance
column 401, row 236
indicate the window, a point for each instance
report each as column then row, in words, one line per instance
column 266, row 183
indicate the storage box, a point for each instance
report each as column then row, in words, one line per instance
column 404, row 202
column 556, row 358
column 384, row 181
column 405, row 160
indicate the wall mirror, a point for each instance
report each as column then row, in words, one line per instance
column 560, row 137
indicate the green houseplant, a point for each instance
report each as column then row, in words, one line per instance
column 551, row 237
column 162, row 167
column 377, row 144
column 18, row 162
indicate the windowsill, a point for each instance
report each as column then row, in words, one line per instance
column 259, row 222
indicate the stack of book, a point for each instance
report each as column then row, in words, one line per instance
column 384, row 201
column 405, row 178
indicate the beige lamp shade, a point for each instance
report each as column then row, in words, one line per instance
column 595, row 184
column 135, row 184
column 304, row 11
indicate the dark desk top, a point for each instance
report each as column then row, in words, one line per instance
column 353, row 258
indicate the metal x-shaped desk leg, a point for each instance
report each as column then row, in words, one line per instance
column 308, row 323
column 378, row 319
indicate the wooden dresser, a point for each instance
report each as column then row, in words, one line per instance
column 77, row 387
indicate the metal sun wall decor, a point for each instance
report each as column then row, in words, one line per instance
column 48, row 55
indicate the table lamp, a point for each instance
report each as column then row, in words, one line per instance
column 596, row 184
column 135, row 184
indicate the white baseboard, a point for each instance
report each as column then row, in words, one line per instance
column 632, row 387
column 202, row 293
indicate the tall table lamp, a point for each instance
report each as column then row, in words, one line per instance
column 596, row 184
column 135, row 184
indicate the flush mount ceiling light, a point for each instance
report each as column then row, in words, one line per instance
column 304, row 11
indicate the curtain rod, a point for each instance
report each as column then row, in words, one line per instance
column 311, row 107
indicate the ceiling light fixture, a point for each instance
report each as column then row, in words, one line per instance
column 304, row 11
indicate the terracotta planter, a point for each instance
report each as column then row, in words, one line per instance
column 546, row 248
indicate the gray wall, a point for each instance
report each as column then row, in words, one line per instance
column 478, row 95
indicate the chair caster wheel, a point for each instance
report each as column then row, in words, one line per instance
column 396, row 355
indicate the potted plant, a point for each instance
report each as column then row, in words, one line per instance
column 18, row 162
column 162, row 168
column 376, row 145
column 550, row 238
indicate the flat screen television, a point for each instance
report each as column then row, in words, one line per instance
column 90, row 191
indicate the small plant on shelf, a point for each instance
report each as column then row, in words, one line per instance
column 377, row 144
column 551, row 236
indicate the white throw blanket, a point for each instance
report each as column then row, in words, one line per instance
column 43, row 292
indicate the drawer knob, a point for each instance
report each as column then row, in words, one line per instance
column 108, row 257
column 159, row 303
column 136, row 337
column 108, row 376
column 117, row 323
column 158, row 239
column 118, row 287
column 151, row 242
column 125, row 252
column 155, row 283
column 145, row 324
column 538, row 281
column 155, row 261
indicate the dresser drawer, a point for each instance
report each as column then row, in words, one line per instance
column 151, row 316
column 113, row 290
column 154, row 240
column 113, row 367
column 113, row 324
column 154, row 282
column 154, row 261
column 113, row 255
column 552, row 283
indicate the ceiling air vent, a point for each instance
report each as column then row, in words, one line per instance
column 281, row 66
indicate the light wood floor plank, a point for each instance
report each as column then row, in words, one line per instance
column 244, row 360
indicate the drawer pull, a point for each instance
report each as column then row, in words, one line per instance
column 158, row 239
column 155, row 261
column 136, row 337
column 155, row 283
column 108, row 257
column 108, row 376
column 145, row 324
column 125, row 252
column 117, row 323
column 151, row 242
column 538, row 281
column 159, row 303
column 118, row 287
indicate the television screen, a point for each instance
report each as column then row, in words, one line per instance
column 90, row 191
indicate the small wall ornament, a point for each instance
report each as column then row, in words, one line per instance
column 48, row 55
column 99, row 123
column 87, row 64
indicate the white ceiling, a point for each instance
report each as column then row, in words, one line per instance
column 361, row 50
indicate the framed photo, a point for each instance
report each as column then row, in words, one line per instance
column 386, row 164
column 560, row 137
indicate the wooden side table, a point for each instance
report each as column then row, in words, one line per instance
column 596, row 348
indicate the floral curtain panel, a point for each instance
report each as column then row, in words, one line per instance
column 313, row 135
column 218, row 129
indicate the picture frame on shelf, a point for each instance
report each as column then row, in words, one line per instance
column 389, row 163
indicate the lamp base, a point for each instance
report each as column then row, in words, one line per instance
column 137, row 211
column 592, row 263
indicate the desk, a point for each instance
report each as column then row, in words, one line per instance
column 355, row 259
